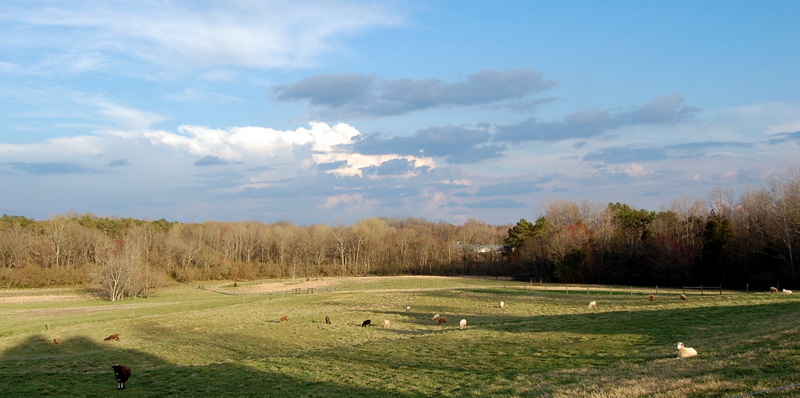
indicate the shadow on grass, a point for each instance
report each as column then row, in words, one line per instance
column 81, row 367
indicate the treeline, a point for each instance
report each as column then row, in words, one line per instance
column 750, row 240
column 129, row 257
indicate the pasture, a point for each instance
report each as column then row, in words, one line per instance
column 217, row 340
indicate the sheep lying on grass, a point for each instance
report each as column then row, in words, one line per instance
column 112, row 337
column 463, row 324
column 787, row 291
column 592, row 304
column 686, row 352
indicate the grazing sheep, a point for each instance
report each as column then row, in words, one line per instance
column 787, row 291
column 502, row 304
column 408, row 309
column 652, row 298
column 112, row 337
column 463, row 324
column 686, row 352
column 773, row 289
column 386, row 323
column 366, row 323
column 436, row 317
column 592, row 304
column 327, row 320
column 284, row 318
column 441, row 320
column 57, row 340
column 683, row 297
column 121, row 374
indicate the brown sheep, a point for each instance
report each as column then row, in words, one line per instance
column 121, row 374
column 57, row 340
column 441, row 320
column 327, row 320
column 284, row 318
column 652, row 298
column 683, row 297
column 112, row 337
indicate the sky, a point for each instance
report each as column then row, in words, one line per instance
column 336, row 111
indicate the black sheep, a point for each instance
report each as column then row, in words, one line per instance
column 366, row 323
column 121, row 374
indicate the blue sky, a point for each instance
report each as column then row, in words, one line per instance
column 336, row 111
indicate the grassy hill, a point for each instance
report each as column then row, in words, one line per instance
column 224, row 340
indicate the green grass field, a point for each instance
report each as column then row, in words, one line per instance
column 225, row 341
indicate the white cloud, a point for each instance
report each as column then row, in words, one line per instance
column 635, row 170
column 54, row 149
column 183, row 35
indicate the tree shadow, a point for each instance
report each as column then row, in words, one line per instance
column 81, row 367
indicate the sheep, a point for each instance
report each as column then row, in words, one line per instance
column 682, row 296
column 502, row 304
column 441, row 320
column 327, row 320
column 592, row 304
column 787, row 291
column 57, row 340
column 366, row 323
column 652, row 298
column 386, row 323
column 463, row 324
column 408, row 309
column 284, row 318
column 773, row 289
column 112, row 337
column 121, row 374
column 436, row 317
column 686, row 352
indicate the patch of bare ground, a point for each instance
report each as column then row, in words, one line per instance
column 288, row 286
column 40, row 295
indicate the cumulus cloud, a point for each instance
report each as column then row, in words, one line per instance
column 457, row 145
column 367, row 96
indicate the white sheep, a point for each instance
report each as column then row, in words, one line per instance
column 773, row 289
column 502, row 304
column 686, row 352
column 787, row 291
column 463, row 324
column 386, row 323
column 408, row 309
column 436, row 317
column 592, row 304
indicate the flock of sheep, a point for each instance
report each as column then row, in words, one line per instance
column 123, row 373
